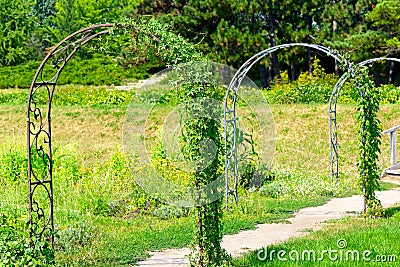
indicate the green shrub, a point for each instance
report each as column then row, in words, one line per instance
column 318, row 89
column 13, row 166
column 18, row 76
column 168, row 212
column 289, row 184
column 15, row 249
column 306, row 89
column 99, row 70
column 389, row 94
column 70, row 95
column 75, row 236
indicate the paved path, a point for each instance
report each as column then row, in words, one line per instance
column 140, row 83
column 302, row 223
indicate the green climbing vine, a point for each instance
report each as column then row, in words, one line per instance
column 369, row 135
column 369, row 140
column 149, row 35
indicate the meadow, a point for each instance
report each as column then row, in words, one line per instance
column 103, row 218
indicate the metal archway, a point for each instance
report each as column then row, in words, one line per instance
column 334, row 147
column 230, row 115
column 39, row 138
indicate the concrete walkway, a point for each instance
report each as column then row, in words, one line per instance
column 304, row 221
column 140, row 83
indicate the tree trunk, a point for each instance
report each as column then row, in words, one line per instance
column 337, row 70
column 309, row 53
column 273, row 67
column 377, row 78
column 391, row 73
column 292, row 70
column 263, row 76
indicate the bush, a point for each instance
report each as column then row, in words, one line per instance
column 15, row 249
column 288, row 184
column 389, row 94
column 168, row 212
column 99, row 70
column 13, row 166
column 70, row 95
column 305, row 89
column 318, row 89
column 74, row 236
column 18, row 76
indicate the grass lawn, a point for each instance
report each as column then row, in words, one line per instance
column 104, row 219
column 350, row 241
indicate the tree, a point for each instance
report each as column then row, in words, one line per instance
column 232, row 31
column 298, row 27
column 16, row 26
column 66, row 20
column 385, row 18
column 226, row 30
column 45, row 10
column 72, row 15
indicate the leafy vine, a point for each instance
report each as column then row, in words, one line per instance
column 369, row 135
column 369, row 141
column 173, row 49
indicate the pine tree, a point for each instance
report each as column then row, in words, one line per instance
column 16, row 27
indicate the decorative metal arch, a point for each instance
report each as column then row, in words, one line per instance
column 230, row 116
column 39, row 137
column 334, row 147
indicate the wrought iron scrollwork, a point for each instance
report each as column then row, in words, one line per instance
column 40, row 161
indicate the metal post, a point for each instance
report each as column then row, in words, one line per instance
column 393, row 160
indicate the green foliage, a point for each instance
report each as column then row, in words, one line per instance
column 15, row 248
column 99, row 70
column 389, row 94
column 174, row 49
column 296, row 185
column 306, row 89
column 18, row 76
column 74, row 236
column 168, row 212
column 318, row 88
column 374, row 209
column 369, row 136
column 385, row 18
column 13, row 166
column 92, row 96
column 16, row 27
column 72, row 95
column 72, row 15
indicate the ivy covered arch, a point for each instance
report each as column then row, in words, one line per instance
column 334, row 147
column 172, row 49
column 39, row 128
column 230, row 113
column 39, row 106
